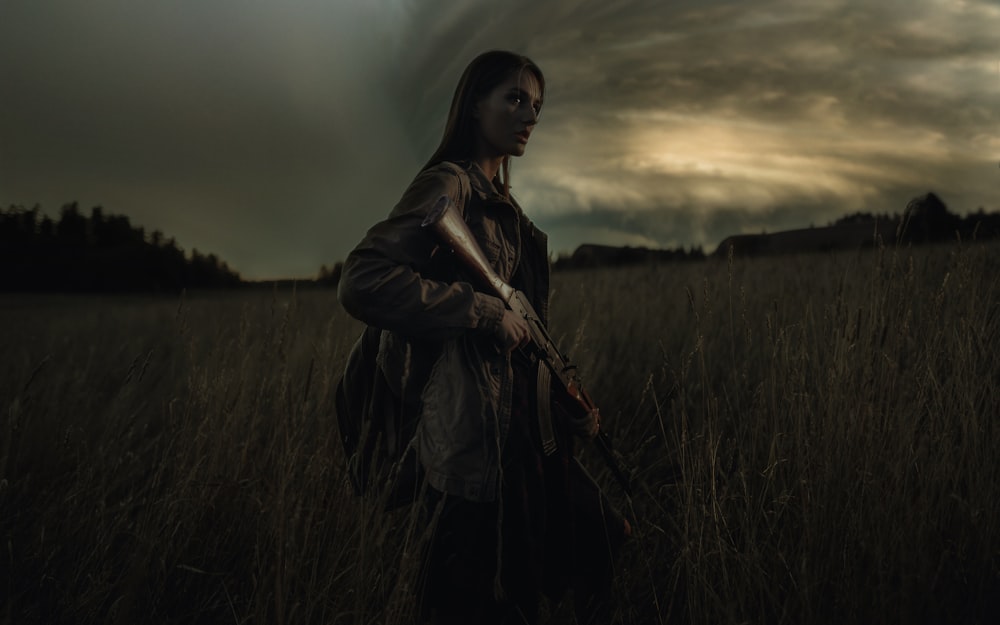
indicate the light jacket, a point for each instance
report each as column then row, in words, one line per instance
column 438, row 345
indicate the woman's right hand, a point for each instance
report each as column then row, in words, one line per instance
column 512, row 332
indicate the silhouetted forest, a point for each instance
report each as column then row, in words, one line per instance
column 330, row 276
column 928, row 220
column 100, row 252
column 593, row 255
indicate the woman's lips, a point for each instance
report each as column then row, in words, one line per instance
column 523, row 136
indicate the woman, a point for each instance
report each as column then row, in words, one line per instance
column 512, row 521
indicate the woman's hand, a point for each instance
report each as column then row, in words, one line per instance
column 587, row 425
column 512, row 332
column 584, row 423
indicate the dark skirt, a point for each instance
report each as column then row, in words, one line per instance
column 552, row 530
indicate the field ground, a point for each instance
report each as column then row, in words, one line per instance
column 816, row 441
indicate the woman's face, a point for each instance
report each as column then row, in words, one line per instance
column 508, row 115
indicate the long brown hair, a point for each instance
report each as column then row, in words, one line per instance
column 482, row 75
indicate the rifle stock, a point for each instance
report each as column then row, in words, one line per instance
column 452, row 229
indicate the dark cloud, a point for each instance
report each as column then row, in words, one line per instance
column 247, row 129
column 274, row 133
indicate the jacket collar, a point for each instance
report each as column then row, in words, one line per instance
column 480, row 183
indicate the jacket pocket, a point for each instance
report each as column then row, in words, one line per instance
column 489, row 236
column 493, row 253
column 460, row 403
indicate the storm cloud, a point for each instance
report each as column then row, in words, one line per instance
column 274, row 134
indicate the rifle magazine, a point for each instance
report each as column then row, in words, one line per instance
column 543, row 393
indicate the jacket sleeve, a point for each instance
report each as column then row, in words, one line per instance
column 381, row 283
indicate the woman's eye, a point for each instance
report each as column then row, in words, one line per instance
column 517, row 101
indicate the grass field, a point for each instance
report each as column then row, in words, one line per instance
column 816, row 440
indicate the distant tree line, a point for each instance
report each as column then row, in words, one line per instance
column 99, row 252
column 330, row 276
column 928, row 220
column 591, row 255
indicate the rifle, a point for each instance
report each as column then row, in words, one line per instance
column 451, row 227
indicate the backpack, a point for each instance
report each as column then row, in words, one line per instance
column 376, row 427
column 377, row 421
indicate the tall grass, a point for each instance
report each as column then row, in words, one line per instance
column 814, row 440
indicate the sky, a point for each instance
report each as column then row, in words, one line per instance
column 274, row 133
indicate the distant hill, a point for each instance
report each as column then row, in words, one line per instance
column 593, row 255
column 925, row 220
column 836, row 237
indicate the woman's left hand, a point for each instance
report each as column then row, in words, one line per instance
column 512, row 332
column 587, row 424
